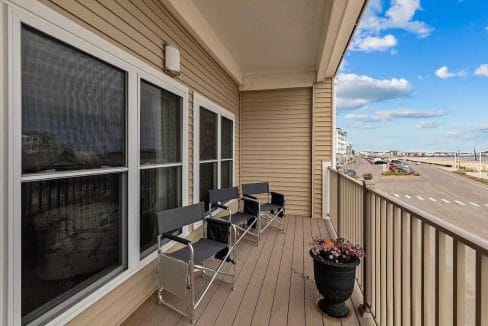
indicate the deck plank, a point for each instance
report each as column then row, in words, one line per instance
column 296, row 304
column 311, row 292
column 266, row 296
column 274, row 285
column 229, row 309
column 217, row 300
column 248, row 301
column 279, row 310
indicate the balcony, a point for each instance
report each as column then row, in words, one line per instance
column 274, row 286
column 419, row 269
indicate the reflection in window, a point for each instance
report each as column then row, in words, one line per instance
column 208, row 180
column 227, row 137
column 226, row 174
column 161, row 122
column 161, row 189
column 208, row 135
column 71, row 236
column 73, row 108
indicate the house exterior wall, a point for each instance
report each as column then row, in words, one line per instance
column 322, row 140
column 276, row 143
column 142, row 28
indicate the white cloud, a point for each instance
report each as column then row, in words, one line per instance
column 427, row 124
column 374, row 43
column 486, row 28
column 361, row 126
column 396, row 114
column 482, row 70
column 479, row 131
column 444, row 73
column 354, row 91
column 398, row 16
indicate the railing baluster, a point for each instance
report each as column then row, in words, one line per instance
column 442, row 302
column 416, row 271
column 459, row 283
column 484, row 289
column 429, row 317
column 389, row 266
column 397, row 268
column 372, row 253
column 478, row 287
column 406, row 278
column 378, row 258
column 383, row 262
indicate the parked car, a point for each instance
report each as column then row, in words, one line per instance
column 378, row 161
column 392, row 167
column 350, row 172
column 396, row 161
column 405, row 169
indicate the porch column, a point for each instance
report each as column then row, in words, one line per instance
column 322, row 140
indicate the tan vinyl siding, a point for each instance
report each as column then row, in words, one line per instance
column 322, row 138
column 276, row 143
column 142, row 27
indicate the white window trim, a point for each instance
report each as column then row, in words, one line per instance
column 49, row 21
column 183, row 93
column 198, row 101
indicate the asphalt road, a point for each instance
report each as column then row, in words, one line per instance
column 453, row 198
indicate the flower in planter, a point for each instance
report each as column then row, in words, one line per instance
column 338, row 250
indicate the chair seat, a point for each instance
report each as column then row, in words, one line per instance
column 270, row 208
column 241, row 217
column 203, row 249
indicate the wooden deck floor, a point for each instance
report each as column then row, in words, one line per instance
column 274, row 286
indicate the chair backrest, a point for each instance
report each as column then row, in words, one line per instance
column 255, row 188
column 176, row 218
column 223, row 195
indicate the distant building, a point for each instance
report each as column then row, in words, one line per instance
column 343, row 147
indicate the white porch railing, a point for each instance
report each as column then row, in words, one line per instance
column 418, row 269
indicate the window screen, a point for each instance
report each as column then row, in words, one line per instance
column 73, row 108
column 161, row 123
column 227, row 137
column 208, row 135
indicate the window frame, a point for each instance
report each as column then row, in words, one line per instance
column 52, row 23
column 201, row 101
column 183, row 93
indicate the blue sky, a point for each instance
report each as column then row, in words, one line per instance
column 415, row 77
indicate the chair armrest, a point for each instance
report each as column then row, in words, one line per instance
column 176, row 238
column 220, row 206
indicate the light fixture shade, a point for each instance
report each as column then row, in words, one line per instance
column 172, row 60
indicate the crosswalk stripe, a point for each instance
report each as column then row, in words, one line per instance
column 432, row 199
column 408, row 196
column 486, row 205
column 445, row 201
column 460, row 203
column 397, row 195
column 420, row 198
column 475, row 205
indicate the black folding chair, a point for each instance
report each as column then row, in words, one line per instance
column 272, row 211
column 244, row 220
column 176, row 270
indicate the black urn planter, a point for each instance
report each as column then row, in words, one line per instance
column 335, row 282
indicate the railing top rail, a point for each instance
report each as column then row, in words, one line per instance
column 346, row 176
column 454, row 231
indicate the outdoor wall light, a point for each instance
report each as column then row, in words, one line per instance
column 172, row 60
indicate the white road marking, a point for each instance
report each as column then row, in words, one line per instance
column 420, row 198
column 408, row 196
column 460, row 203
column 397, row 195
column 432, row 199
column 445, row 201
column 486, row 205
column 475, row 205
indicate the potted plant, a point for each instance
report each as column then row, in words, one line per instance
column 334, row 265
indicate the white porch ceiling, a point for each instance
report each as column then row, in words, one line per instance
column 270, row 36
column 267, row 44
